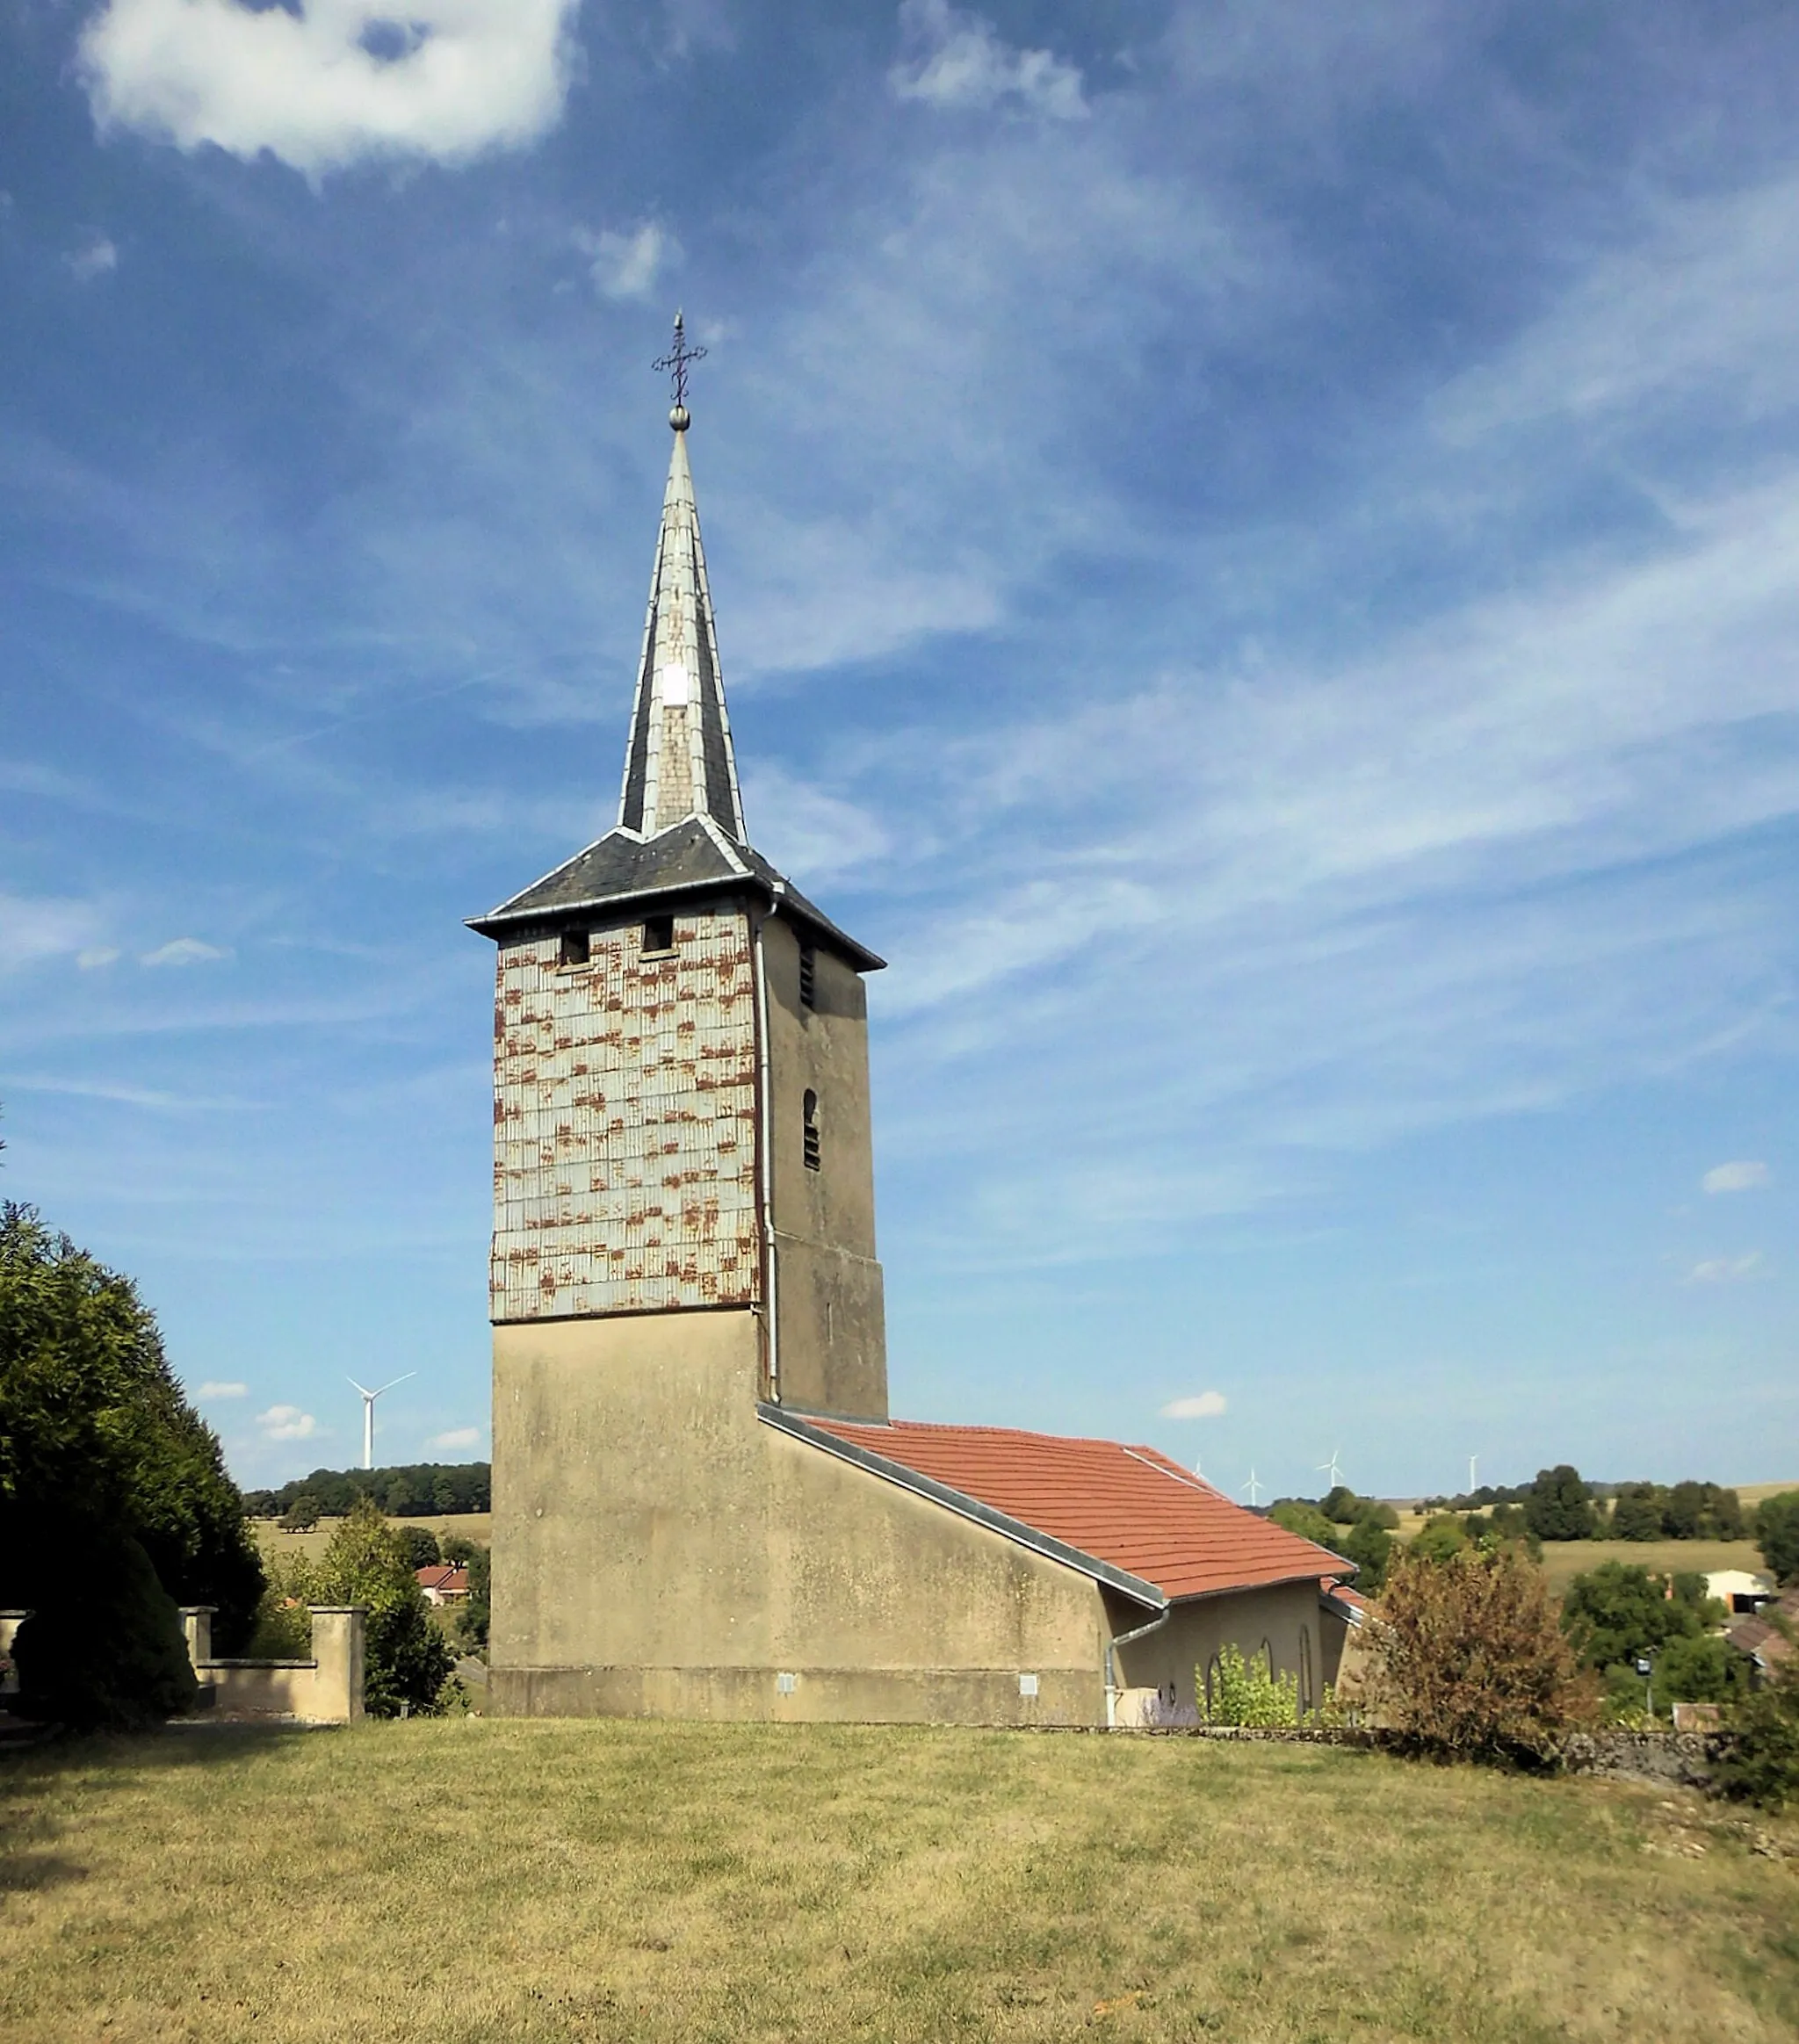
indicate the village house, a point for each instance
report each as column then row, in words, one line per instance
column 443, row 1583
column 702, row 1506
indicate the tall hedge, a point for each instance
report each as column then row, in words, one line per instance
column 105, row 1469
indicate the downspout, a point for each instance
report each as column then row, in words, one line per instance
column 1123, row 1639
column 766, row 1146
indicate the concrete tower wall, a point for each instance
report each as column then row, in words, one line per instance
column 831, row 1324
column 659, row 1550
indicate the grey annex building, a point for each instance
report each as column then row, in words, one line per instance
column 702, row 1505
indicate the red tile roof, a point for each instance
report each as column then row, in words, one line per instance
column 447, row 1580
column 1128, row 1507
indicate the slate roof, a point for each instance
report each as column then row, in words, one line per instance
column 678, row 757
column 691, row 857
column 1123, row 1512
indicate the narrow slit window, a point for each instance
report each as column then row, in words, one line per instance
column 659, row 932
column 577, row 947
column 812, row 1152
column 808, row 977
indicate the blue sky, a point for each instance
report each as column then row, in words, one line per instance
column 1257, row 558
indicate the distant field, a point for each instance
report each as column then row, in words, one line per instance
column 1564, row 1559
column 472, row 1880
column 1753, row 1493
column 475, row 1526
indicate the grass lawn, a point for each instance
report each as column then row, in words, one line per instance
column 481, row 1880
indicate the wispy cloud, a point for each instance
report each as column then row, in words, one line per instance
column 32, row 929
column 629, row 265
column 326, row 85
column 184, row 951
column 1744, row 1175
column 957, row 60
column 95, row 258
column 455, row 1437
column 1202, row 1406
column 211, row 1389
column 96, row 958
column 1725, row 1269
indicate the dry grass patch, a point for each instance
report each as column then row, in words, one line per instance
column 454, row 1882
column 1564, row 1559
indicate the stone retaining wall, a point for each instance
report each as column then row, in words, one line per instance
column 325, row 1690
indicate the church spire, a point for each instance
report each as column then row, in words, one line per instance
column 679, row 762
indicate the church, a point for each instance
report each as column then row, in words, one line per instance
column 702, row 1506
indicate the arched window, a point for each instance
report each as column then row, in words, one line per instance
column 1308, row 1700
column 809, row 1134
column 1211, row 1684
column 1267, row 1659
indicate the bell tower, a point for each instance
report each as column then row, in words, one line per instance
column 683, row 1191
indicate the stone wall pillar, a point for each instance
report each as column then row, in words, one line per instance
column 197, row 1624
column 338, row 1646
column 10, row 1623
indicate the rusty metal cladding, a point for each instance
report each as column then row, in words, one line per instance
column 623, row 1124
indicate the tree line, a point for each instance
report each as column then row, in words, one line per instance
column 441, row 1489
column 1562, row 1505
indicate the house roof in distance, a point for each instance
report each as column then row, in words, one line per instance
column 1129, row 1512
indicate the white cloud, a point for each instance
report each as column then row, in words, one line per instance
column 457, row 1437
column 33, row 929
column 95, row 956
column 1742, row 1176
column 959, row 62
column 183, row 951
column 210, row 1389
column 334, row 81
column 94, row 258
column 286, row 1423
column 1724, row 1269
column 1203, row 1406
column 628, row 266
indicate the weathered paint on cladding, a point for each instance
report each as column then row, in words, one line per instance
column 624, row 1124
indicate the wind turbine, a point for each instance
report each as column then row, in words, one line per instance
column 1330, row 1469
column 368, row 1416
column 1253, row 1487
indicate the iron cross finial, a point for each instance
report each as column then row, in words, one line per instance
column 674, row 363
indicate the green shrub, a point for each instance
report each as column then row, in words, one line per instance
column 1777, row 1536
column 471, row 1620
column 105, row 1652
column 421, row 1545
column 1757, row 1758
column 408, row 1662
column 1307, row 1522
column 284, row 1626
column 1617, row 1611
column 1438, row 1538
column 1247, row 1692
column 1370, row 1547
